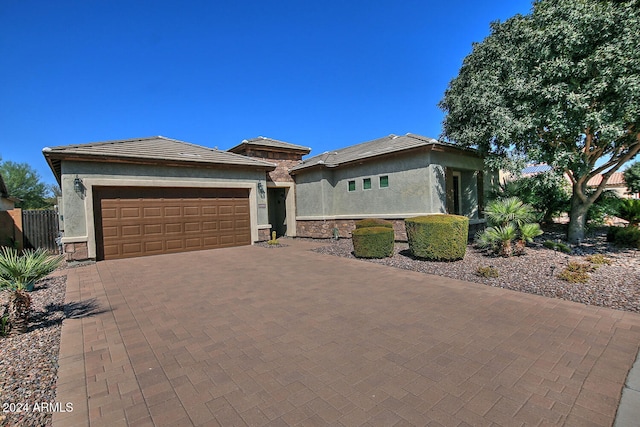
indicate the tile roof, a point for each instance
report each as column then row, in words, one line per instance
column 151, row 149
column 261, row 141
column 616, row 179
column 377, row 147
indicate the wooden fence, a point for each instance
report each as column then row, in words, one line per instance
column 40, row 228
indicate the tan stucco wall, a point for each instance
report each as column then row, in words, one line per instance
column 78, row 217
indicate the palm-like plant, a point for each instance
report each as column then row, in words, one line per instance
column 19, row 273
column 499, row 238
column 509, row 211
column 509, row 219
column 528, row 232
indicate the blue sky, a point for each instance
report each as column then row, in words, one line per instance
column 322, row 74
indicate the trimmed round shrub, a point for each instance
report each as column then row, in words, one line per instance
column 373, row 222
column 372, row 242
column 438, row 237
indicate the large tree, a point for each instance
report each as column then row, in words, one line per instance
column 24, row 183
column 560, row 85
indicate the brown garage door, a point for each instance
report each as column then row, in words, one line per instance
column 133, row 222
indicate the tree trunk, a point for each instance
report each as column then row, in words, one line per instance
column 19, row 308
column 577, row 219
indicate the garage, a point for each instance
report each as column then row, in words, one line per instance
column 132, row 222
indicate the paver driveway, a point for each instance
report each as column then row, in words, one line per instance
column 255, row 336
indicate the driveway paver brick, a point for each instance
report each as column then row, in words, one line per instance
column 283, row 337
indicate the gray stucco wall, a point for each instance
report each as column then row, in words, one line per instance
column 416, row 186
column 78, row 210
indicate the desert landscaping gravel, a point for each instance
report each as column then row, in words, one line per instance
column 29, row 362
column 615, row 286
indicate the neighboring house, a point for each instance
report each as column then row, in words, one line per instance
column 158, row 195
column 616, row 183
column 7, row 202
column 394, row 177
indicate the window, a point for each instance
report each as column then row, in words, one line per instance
column 366, row 184
column 384, row 181
column 352, row 186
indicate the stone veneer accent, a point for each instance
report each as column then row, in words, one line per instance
column 319, row 229
column 264, row 234
column 77, row 251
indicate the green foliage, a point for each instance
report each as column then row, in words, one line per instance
column 607, row 204
column 548, row 193
column 560, row 85
column 489, row 272
column 20, row 272
column 624, row 236
column 509, row 219
column 23, row 182
column 576, row 272
column 373, row 222
column 557, row 246
column 509, row 211
column 632, row 177
column 438, row 237
column 629, row 209
column 373, row 242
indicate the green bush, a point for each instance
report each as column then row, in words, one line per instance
column 438, row 237
column 488, row 272
column 576, row 272
column 372, row 242
column 624, row 236
column 373, row 222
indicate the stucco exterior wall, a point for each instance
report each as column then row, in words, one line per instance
column 6, row 204
column 77, row 208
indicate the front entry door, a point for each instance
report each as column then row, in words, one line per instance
column 277, row 210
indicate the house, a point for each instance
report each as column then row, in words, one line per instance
column 10, row 219
column 158, row 195
column 394, row 178
column 616, row 183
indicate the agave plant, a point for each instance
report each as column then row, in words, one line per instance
column 19, row 273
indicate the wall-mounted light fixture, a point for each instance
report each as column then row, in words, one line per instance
column 78, row 187
column 261, row 189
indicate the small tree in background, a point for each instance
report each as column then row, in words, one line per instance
column 24, row 183
column 632, row 177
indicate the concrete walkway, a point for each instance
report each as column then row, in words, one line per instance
column 283, row 337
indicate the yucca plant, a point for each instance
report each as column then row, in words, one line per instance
column 18, row 274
